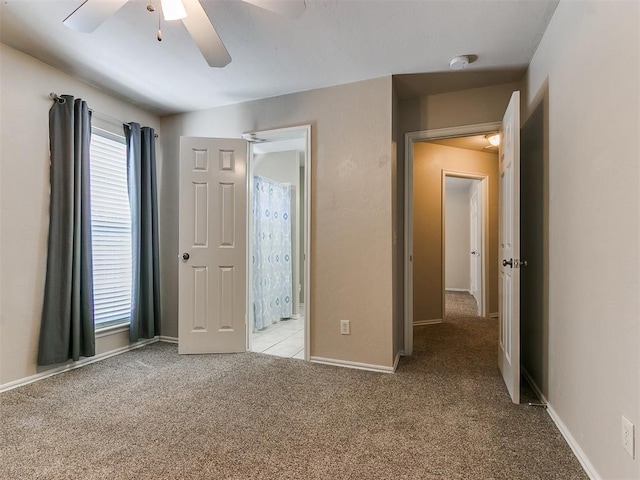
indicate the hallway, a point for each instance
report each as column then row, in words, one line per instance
column 460, row 304
column 471, row 414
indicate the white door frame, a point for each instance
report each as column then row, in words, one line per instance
column 409, row 140
column 289, row 133
column 483, row 212
column 477, row 225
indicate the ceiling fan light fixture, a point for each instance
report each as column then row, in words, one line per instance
column 173, row 10
column 92, row 13
column 493, row 138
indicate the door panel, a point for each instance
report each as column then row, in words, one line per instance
column 212, row 240
column 475, row 247
column 509, row 291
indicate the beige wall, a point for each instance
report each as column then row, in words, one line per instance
column 24, row 199
column 429, row 160
column 587, row 70
column 397, row 188
column 351, row 224
column 453, row 109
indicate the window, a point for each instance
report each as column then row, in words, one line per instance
column 111, row 229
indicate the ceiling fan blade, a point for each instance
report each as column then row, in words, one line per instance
column 205, row 35
column 91, row 13
column 290, row 8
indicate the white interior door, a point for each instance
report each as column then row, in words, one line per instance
column 212, row 242
column 509, row 284
column 476, row 246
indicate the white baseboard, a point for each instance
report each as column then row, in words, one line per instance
column 577, row 451
column 164, row 338
column 466, row 290
column 494, row 315
column 588, row 467
column 72, row 366
column 348, row 364
column 433, row 321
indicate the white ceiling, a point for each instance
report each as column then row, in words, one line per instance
column 478, row 143
column 458, row 184
column 276, row 146
column 333, row 42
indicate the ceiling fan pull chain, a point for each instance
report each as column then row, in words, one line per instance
column 159, row 36
column 151, row 8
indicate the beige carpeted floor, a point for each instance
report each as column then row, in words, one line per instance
column 153, row 414
column 460, row 304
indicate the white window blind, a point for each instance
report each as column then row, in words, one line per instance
column 111, row 229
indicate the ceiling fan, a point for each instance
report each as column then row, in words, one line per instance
column 92, row 13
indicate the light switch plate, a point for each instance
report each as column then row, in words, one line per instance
column 628, row 436
column 345, row 327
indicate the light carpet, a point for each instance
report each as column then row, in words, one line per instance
column 460, row 304
column 154, row 414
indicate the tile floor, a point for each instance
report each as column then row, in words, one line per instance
column 283, row 339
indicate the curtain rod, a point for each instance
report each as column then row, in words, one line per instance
column 103, row 116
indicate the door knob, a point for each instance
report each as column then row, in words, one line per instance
column 505, row 263
column 185, row 256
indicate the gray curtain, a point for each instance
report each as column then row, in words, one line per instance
column 143, row 197
column 67, row 328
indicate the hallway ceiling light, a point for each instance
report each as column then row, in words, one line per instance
column 493, row 138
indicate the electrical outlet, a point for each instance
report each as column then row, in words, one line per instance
column 345, row 327
column 628, row 437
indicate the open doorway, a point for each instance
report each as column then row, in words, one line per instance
column 277, row 245
column 506, row 198
column 216, row 295
column 463, row 245
column 431, row 157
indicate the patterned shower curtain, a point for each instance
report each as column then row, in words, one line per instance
column 272, row 272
